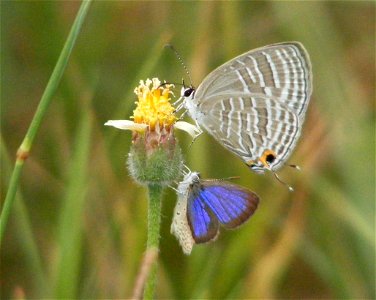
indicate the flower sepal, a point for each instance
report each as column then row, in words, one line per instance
column 155, row 158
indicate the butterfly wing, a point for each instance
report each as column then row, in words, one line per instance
column 231, row 204
column 281, row 72
column 204, row 226
column 248, row 126
column 180, row 227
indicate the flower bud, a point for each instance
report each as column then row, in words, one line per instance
column 155, row 157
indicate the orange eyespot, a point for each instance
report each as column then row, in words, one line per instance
column 268, row 157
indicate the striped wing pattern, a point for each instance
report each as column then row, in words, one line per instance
column 248, row 126
column 257, row 101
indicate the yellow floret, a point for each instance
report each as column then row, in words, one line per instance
column 153, row 105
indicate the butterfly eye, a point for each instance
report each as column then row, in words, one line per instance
column 188, row 92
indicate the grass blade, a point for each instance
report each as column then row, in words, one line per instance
column 70, row 226
column 50, row 90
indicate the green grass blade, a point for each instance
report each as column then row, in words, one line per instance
column 71, row 224
column 26, row 236
column 50, row 90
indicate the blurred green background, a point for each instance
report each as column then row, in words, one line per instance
column 78, row 226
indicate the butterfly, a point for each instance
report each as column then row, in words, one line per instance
column 255, row 104
column 204, row 205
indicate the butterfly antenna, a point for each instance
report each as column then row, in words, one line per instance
column 174, row 83
column 291, row 189
column 224, row 179
column 230, row 178
column 181, row 61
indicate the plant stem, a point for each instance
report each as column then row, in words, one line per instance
column 11, row 195
column 53, row 83
column 154, row 221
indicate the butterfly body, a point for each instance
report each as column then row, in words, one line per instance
column 255, row 104
column 204, row 205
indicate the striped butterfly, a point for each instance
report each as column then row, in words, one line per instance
column 255, row 104
column 205, row 204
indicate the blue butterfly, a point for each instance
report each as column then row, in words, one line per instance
column 205, row 204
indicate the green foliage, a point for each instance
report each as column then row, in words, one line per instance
column 78, row 225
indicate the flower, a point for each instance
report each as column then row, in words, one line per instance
column 155, row 157
column 153, row 105
column 153, row 111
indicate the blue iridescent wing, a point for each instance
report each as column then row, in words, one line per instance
column 204, row 225
column 211, row 202
column 231, row 204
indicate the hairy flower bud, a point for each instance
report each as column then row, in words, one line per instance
column 155, row 157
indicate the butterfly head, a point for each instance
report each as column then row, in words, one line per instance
column 187, row 92
column 189, row 180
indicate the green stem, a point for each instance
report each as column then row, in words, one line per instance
column 50, row 90
column 154, row 221
column 11, row 195
column 25, row 233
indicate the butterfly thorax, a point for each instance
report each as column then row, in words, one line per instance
column 189, row 179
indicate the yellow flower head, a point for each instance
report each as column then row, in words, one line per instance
column 153, row 105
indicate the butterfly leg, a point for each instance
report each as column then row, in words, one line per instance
column 183, row 115
column 194, row 139
column 178, row 101
column 171, row 187
column 200, row 131
column 179, row 107
column 187, row 170
column 179, row 104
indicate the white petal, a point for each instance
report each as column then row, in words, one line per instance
column 126, row 125
column 188, row 127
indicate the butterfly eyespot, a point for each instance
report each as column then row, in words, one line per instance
column 270, row 158
column 188, row 92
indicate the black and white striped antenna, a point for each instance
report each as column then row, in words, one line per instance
column 181, row 61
